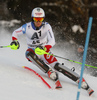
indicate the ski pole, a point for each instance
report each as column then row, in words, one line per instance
column 5, row 46
column 41, row 52
column 13, row 47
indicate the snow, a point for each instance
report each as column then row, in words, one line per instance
column 17, row 83
column 9, row 23
column 75, row 28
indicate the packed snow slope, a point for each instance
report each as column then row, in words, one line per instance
column 17, row 83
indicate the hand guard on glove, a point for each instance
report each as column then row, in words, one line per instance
column 40, row 50
column 46, row 48
column 15, row 45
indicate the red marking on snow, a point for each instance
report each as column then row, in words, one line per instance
column 38, row 76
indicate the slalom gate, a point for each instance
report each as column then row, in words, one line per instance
column 84, row 56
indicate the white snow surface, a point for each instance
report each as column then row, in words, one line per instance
column 17, row 83
column 75, row 28
column 9, row 23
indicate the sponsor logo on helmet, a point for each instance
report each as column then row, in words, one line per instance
column 38, row 14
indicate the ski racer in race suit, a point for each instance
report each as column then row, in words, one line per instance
column 39, row 34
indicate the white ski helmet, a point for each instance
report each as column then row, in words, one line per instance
column 38, row 12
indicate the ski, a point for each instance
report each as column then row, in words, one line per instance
column 38, row 76
column 85, row 86
column 90, row 91
column 58, row 84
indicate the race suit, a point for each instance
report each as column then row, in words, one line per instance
column 42, row 37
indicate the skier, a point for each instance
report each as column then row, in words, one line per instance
column 39, row 34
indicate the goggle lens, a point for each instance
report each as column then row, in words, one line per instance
column 38, row 19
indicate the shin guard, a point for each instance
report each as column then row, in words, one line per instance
column 38, row 62
column 67, row 72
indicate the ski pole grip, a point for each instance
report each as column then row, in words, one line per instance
column 40, row 51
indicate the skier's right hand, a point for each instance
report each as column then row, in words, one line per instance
column 15, row 45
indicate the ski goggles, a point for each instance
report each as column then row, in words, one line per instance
column 38, row 19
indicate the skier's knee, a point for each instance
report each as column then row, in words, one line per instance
column 32, row 57
column 28, row 51
column 57, row 67
column 66, row 71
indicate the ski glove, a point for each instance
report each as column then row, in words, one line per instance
column 15, row 45
column 40, row 50
column 46, row 48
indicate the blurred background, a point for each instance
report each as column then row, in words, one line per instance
column 68, row 18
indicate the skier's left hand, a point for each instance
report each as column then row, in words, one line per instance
column 45, row 48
